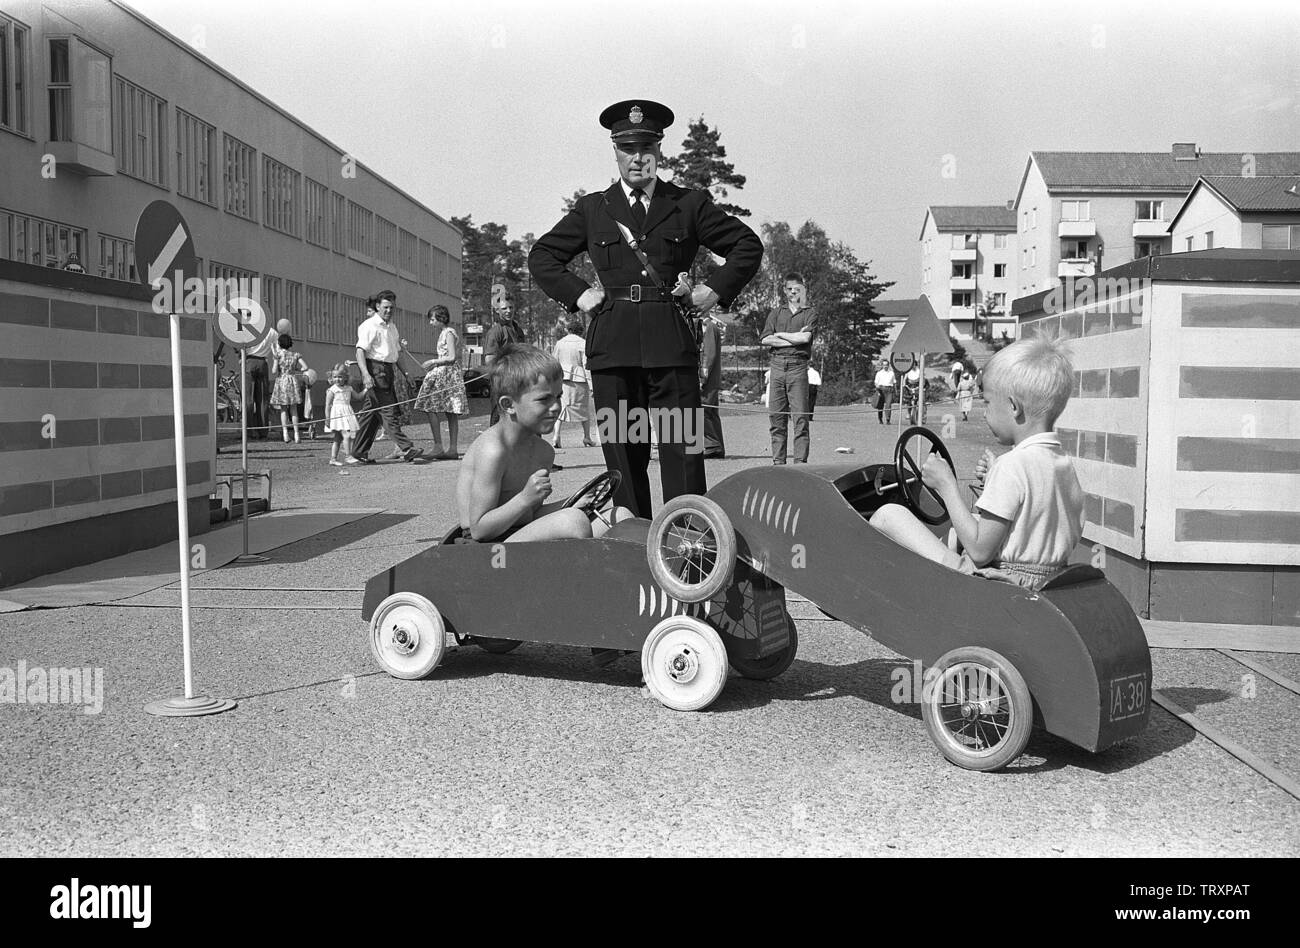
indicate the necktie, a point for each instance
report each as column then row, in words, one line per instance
column 638, row 209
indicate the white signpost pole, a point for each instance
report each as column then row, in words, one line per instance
column 245, row 557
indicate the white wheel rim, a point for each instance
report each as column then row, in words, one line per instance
column 407, row 637
column 683, row 668
column 973, row 708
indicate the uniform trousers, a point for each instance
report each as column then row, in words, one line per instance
column 626, row 399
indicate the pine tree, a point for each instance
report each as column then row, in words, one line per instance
column 703, row 164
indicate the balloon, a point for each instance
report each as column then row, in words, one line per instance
column 284, row 327
column 311, row 376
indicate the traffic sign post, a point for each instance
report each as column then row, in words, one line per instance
column 165, row 248
column 242, row 323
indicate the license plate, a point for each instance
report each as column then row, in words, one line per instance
column 1128, row 697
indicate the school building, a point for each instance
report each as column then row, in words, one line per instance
column 1185, row 429
column 101, row 113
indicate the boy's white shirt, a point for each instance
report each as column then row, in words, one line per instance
column 1035, row 488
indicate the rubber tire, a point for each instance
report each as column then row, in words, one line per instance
column 433, row 638
column 1021, row 704
column 720, row 525
column 497, row 646
column 767, row 668
column 713, row 664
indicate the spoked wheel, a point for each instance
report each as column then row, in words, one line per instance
column 684, row 663
column 497, row 646
column 407, row 636
column 977, row 709
column 768, row 667
column 691, row 548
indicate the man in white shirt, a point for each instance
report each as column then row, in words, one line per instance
column 378, row 346
column 259, row 382
column 885, row 385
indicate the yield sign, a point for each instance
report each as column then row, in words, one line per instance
column 164, row 247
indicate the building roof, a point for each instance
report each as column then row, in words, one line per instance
column 896, row 309
column 1222, row 265
column 966, row 218
column 1147, row 171
column 1258, row 195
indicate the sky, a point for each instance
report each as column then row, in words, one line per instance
column 855, row 115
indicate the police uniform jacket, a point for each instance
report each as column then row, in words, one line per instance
column 649, row 334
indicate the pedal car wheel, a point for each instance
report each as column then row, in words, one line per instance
column 407, row 636
column 497, row 646
column 684, row 663
column 768, row 667
column 691, row 548
column 977, row 709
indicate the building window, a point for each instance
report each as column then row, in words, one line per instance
column 999, row 270
column 15, row 55
column 38, row 241
column 360, row 228
column 1033, row 256
column 273, row 298
column 408, row 251
column 1033, row 218
column 117, row 258
column 999, row 302
column 239, row 162
column 1280, row 237
column 1209, row 240
column 386, row 244
column 1074, row 250
column 999, row 241
column 317, row 206
column 961, row 299
column 961, row 271
column 1024, row 221
column 1150, row 211
column 1076, row 211
column 339, row 223
column 1146, row 248
column 292, row 301
column 281, row 206
column 141, row 133
column 426, row 263
column 80, row 94
column 322, row 309
column 1189, row 243
column 195, row 141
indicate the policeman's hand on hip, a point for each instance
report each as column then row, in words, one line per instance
column 703, row 298
column 591, row 298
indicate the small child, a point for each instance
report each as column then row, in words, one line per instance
column 1030, row 515
column 285, row 394
column 341, row 419
column 505, row 478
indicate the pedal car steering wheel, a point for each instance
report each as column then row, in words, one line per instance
column 908, row 473
column 592, row 496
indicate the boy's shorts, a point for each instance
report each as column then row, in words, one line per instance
column 1032, row 576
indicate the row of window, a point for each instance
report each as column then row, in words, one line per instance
column 966, row 299
column 1107, row 447
column 88, row 104
column 1082, row 211
column 1113, row 316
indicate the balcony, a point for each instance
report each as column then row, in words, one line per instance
column 964, row 314
column 1075, row 268
column 961, row 283
column 965, row 255
column 1077, row 229
column 1149, row 229
column 83, row 159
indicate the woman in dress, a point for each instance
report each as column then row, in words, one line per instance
column 285, row 395
column 443, row 391
column 575, row 400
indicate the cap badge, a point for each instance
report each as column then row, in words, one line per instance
column 635, row 116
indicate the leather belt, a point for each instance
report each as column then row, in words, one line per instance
column 639, row 294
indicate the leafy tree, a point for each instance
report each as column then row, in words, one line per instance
column 703, row 164
column 486, row 260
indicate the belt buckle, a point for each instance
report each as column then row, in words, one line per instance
column 634, row 291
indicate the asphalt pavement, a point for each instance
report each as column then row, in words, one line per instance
column 539, row 752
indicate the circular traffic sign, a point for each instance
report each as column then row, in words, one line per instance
column 902, row 362
column 241, row 322
column 164, row 247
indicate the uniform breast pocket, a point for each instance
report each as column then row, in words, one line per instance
column 678, row 248
column 603, row 250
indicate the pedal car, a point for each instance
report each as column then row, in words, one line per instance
column 1071, row 658
column 597, row 593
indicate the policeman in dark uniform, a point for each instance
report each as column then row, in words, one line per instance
column 641, row 352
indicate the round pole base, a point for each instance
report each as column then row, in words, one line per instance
column 188, row 707
column 252, row 558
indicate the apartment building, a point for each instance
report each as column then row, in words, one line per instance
column 968, row 259
column 1259, row 213
column 1079, row 212
column 102, row 112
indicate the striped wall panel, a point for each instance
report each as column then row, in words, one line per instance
column 87, row 426
column 1224, row 453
